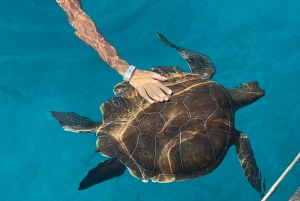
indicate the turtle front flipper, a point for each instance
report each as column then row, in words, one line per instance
column 73, row 122
column 199, row 64
column 248, row 163
column 106, row 170
column 246, row 93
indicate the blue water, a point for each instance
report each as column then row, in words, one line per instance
column 44, row 67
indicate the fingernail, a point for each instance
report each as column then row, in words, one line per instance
column 151, row 101
column 170, row 92
column 165, row 78
column 160, row 100
column 166, row 99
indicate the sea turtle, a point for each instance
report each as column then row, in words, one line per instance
column 184, row 138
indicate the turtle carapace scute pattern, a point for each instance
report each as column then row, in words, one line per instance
column 184, row 138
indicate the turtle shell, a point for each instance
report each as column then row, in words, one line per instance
column 184, row 138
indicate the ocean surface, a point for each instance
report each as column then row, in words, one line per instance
column 45, row 67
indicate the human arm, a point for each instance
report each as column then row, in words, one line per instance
column 147, row 83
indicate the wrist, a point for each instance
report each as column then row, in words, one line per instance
column 129, row 73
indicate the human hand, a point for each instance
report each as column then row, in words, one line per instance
column 149, row 86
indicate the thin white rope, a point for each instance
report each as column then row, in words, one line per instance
column 273, row 188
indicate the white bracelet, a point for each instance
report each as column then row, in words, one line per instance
column 128, row 73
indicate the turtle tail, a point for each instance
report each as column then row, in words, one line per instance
column 248, row 163
column 73, row 122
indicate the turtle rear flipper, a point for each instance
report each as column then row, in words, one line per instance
column 248, row 163
column 199, row 64
column 73, row 122
column 106, row 170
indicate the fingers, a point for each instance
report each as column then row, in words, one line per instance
column 143, row 93
column 161, row 78
column 158, row 76
column 155, row 92
column 149, row 86
column 152, row 92
column 164, row 88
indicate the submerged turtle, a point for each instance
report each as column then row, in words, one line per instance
column 184, row 138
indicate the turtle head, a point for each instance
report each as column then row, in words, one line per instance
column 246, row 93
